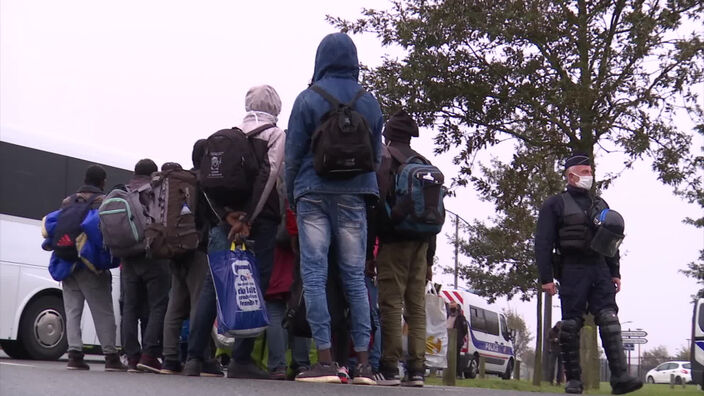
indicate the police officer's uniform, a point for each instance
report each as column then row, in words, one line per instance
column 566, row 226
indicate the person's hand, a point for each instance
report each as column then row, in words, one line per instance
column 617, row 283
column 429, row 274
column 370, row 268
column 239, row 229
column 550, row 288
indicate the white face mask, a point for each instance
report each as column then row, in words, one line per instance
column 584, row 182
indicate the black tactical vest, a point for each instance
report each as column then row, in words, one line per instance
column 576, row 230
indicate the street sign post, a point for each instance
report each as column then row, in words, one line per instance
column 634, row 340
column 633, row 333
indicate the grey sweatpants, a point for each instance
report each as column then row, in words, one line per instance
column 84, row 285
column 187, row 275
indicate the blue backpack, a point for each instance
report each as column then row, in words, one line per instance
column 415, row 206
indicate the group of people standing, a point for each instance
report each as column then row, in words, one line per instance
column 341, row 224
column 337, row 222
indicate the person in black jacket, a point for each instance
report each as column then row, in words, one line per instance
column 588, row 279
column 403, row 264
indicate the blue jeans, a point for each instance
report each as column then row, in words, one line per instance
column 375, row 351
column 342, row 220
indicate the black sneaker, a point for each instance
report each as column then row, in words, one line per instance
column 113, row 363
column 278, row 374
column 192, row 368
column 76, row 362
column 387, row 377
column 321, row 373
column 414, row 378
column 364, row 375
column 211, row 368
column 171, row 367
column 574, row 386
column 245, row 370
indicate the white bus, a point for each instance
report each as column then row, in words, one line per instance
column 488, row 336
column 32, row 184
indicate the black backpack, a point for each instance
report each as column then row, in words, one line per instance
column 342, row 143
column 68, row 226
column 229, row 164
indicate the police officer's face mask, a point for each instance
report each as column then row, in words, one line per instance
column 584, row 182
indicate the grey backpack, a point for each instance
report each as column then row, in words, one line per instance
column 123, row 220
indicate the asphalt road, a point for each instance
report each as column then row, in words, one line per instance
column 26, row 377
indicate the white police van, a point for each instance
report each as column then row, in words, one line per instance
column 488, row 336
column 32, row 319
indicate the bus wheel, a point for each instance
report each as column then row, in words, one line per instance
column 43, row 328
column 13, row 349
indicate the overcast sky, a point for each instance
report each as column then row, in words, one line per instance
column 114, row 82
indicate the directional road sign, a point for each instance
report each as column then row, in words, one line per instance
column 633, row 333
column 635, row 341
column 629, row 347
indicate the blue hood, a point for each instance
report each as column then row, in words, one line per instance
column 336, row 56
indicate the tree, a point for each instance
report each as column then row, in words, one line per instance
column 540, row 79
column 683, row 353
column 652, row 357
column 523, row 336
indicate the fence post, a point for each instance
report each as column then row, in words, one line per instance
column 517, row 371
column 449, row 375
column 672, row 381
column 482, row 367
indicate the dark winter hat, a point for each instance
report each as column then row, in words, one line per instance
column 401, row 127
column 198, row 151
column 577, row 159
column 171, row 166
column 95, row 176
column 145, row 167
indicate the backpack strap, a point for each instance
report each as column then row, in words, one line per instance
column 398, row 156
column 331, row 99
column 359, row 94
column 253, row 133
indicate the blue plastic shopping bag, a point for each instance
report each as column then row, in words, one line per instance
column 240, row 302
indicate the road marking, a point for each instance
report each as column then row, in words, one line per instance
column 17, row 364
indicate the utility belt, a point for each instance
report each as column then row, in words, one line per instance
column 559, row 261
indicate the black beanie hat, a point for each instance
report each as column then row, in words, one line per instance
column 198, row 151
column 145, row 167
column 401, row 127
column 577, row 159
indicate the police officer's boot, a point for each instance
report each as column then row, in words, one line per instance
column 610, row 331
column 569, row 349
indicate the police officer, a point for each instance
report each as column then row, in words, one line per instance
column 588, row 279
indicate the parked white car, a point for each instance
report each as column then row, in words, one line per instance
column 661, row 374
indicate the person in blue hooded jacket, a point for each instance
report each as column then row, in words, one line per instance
column 332, row 210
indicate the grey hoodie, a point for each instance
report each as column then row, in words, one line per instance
column 263, row 105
